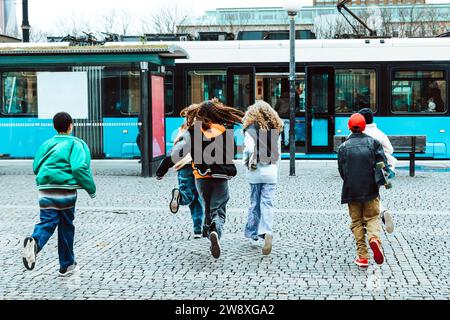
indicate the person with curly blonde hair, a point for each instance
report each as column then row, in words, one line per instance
column 209, row 139
column 262, row 151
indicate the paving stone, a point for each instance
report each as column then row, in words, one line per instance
column 129, row 246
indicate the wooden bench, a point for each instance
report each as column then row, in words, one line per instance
column 401, row 144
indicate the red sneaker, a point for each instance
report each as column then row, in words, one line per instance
column 378, row 255
column 362, row 262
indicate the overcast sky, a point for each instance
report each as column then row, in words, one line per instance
column 47, row 15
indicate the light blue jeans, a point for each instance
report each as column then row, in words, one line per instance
column 260, row 213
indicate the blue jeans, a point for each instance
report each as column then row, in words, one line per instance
column 260, row 213
column 63, row 219
column 189, row 196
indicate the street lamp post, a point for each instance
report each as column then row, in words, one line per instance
column 25, row 23
column 292, row 7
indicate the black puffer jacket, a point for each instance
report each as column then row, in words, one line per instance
column 357, row 157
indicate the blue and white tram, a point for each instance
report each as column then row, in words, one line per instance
column 404, row 81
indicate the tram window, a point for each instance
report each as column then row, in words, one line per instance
column 276, row 92
column 206, row 84
column 19, row 93
column 241, row 89
column 419, row 91
column 355, row 89
column 121, row 93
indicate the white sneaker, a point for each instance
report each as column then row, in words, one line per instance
column 29, row 253
column 68, row 271
column 267, row 244
column 253, row 240
column 215, row 244
column 175, row 201
column 197, row 235
column 386, row 217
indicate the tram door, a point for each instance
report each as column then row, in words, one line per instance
column 274, row 89
column 240, row 87
column 320, row 86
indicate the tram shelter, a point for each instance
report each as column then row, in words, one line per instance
column 113, row 91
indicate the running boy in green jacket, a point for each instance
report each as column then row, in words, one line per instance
column 61, row 165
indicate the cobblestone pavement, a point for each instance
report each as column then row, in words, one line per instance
column 129, row 246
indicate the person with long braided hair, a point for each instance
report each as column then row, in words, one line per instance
column 210, row 141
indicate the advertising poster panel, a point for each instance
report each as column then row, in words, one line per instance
column 158, row 121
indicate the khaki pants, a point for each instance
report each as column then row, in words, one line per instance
column 365, row 214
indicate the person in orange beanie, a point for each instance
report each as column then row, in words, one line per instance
column 357, row 158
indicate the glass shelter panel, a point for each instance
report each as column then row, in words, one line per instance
column 19, row 93
column 121, row 92
column 169, row 93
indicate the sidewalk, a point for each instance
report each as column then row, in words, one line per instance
column 129, row 246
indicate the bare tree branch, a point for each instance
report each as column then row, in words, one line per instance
column 235, row 22
column 331, row 25
column 407, row 21
column 38, row 35
column 166, row 19
column 73, row 24
column 108, row 20
column 125, row 22
column 116, row 21
column 432, row 26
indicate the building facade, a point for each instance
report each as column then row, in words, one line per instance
column 8, row 19
column 367, row 2
column 399, row 20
